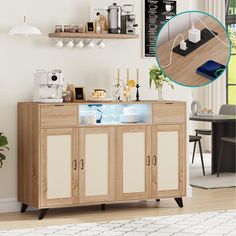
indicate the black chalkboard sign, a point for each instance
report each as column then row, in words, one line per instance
column 156, row 13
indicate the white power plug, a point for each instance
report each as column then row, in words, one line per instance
column 183, row 45
column 194, row 35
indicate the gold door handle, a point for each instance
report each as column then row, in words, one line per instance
column 75, row 164
column 155, row 160
column 82, row 164
column 148, row 160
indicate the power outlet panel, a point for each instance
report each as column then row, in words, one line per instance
column 206, row 36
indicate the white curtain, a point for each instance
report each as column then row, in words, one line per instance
column 213, row 95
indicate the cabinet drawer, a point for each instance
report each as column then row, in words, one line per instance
column 58, row 115
column 169, row 113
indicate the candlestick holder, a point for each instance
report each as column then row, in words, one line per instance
column 117, row 91
column 127, row 93
column 137, row 93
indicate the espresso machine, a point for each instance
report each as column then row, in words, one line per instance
column 48, row 86
column 128, row 18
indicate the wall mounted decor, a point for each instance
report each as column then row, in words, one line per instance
column 156, row 13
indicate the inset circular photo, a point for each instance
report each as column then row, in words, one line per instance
column 193, row 48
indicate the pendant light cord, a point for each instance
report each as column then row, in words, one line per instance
column 25, row 6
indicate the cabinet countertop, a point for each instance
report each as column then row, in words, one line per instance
column 112, row 102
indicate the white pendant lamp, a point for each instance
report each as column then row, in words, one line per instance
column 24, row 29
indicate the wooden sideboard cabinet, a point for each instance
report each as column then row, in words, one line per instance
column 63, row 162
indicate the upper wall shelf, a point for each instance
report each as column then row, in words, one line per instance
column 93, row 35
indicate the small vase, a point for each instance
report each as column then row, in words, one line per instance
column 159, row 90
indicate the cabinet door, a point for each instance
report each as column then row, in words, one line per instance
column 59, row 172
column 97, row 164
column 168, row 161
column 133, row 162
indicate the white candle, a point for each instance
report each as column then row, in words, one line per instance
column 118, row 74
column 127, row 75
column 137, row 76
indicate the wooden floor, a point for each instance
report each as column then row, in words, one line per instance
column 202, row 200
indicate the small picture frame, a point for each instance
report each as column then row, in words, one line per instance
column 78, row 94
column 90, row 27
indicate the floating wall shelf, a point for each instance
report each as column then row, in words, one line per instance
column 93, row 35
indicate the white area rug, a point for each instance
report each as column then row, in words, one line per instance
column 209, row 223
column 226, row 180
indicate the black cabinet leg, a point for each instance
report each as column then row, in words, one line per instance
column 158, row 200
column 179, row 201
column 23, row 207
column 42, row 213
column 103, row 207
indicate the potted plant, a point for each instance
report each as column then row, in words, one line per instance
column 3, row 146
column 158, row 78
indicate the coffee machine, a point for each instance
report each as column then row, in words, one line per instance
column 48, row 86
column 114, row 19
column 128, row 18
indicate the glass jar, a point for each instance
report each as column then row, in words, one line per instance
column 67, row 96
column 66, row 28
column 71, row 29
column 76, row 28
column 98, row 28
column 81, row 28
column 58, row 29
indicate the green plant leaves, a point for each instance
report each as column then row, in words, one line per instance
column 2, row 158
column 3, row 145
column 3, row 140
column 157, row 77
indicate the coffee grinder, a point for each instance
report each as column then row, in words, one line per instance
column 128, row 17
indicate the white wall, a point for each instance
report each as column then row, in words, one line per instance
column 198, row 5
column 91, row 68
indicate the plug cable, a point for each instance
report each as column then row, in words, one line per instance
column 227, row 45
column 171, row 51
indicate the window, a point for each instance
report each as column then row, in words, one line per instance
column 231, row 72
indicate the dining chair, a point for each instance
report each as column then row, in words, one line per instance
column 225, row 109
column 224, row 140
column 197, row 139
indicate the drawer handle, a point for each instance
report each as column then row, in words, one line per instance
column 148, row 160
column 59, row 105
column 155, row 160
column 169, row 103
column 82, row 164
column 75, row 164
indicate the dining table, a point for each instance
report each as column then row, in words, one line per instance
column 222, row 126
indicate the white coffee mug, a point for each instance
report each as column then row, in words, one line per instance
column 101, row 44
column 169, row 7
column 59, row 43
column 91, row 44
column 70, row 44
column 80, row 44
